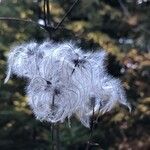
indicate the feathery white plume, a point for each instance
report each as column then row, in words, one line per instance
column 65, row 81
column 22, row 61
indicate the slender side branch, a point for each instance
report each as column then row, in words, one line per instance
column 17, row 19
column 57, row 137
column 46, row 27
column 48, row 12
column 64, row 17
column 26, row 21
column 45, row 19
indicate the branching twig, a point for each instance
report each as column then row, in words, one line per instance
column 47, row 26
column 67, row 13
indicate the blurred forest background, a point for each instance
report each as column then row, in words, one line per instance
column 121, row 27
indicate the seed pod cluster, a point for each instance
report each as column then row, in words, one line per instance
column 64, row 81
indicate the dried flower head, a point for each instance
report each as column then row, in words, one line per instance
column 65, row 81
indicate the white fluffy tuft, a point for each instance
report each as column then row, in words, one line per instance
column 65, row 81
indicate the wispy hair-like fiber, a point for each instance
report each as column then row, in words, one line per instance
column 64, row 81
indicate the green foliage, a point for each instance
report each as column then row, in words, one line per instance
column 92, row 23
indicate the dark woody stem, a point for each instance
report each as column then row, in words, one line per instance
column 52, row 136
column 53, row 100
column 44, row 11
column 92, row 123
column 48, row 12
column 89, row 143
column 57, row 137
column 55, row 128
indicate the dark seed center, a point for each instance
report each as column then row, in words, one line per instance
column 56, row 91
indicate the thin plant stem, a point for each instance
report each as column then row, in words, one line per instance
column 48, row 12
column 91, row 130
column 52, row 125
column 39, row 9
column 64, row 17
column 46, row 16
column 92, row 124
column 57, row 137
column 52, row 136
column 27, row 21
column 44, row 11
column 55, row 129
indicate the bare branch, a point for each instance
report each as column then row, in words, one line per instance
column 17, row 19
column 48, row 12
column 48, row 28
column 64, row 17
column 44, row 7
